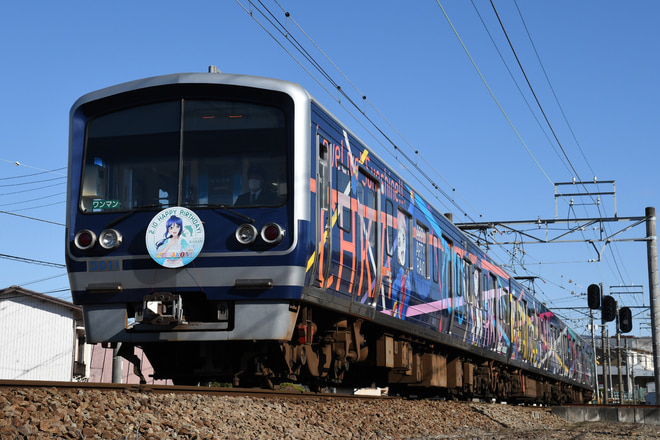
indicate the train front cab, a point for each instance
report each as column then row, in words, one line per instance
column 177, row 152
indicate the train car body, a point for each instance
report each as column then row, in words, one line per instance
column 235, row 230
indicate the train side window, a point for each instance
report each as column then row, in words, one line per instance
column 505, row 306
column 476, row 285
column 403, row 242
column 344, row 197
column 434, row 258
column 494, row 292
column 485, row 287
column 322, row 187
column 422, row 250
column 448, row 276
column 467, row 281
column 389, row 220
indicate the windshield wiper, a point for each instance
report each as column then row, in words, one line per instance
column 205, row 205
column 227, row 208
column 130, row 213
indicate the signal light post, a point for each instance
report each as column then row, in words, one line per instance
column 595, row 299
column 608, row 312
column 624, row 324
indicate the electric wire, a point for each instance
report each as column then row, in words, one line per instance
column 545, row 116
column 492, row 94
column 31, row 218
column 529, row 84
column 42, row 279
column 28, row 190
column 18, row 164
column 515, row 82
column 531, row 88
column 554, row 94
column 544, row 113
column 284, row 32
column 33, row 200
column 61, row 202
column 31, row 261
column 378, row 112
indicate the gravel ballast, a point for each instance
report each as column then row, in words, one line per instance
column 35, row 413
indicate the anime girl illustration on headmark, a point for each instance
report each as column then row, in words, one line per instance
column 176, row 246
column 175, row 237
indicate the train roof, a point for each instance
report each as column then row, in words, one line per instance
column 293, row 89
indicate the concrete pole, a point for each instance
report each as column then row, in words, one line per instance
column 652, row 251
column 618, row 358
column 595, row 357
column 603, row 337
column 117, row 364
column 610, row 382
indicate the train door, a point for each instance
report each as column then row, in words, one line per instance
column 476, row 321
column 517, row 326
column 504, row 315
column 489, row 312
column 389, row 273
column 401, row 265
column 323, row 210
column 447, row 284
column 462, row 300
column 368, row 237
column 343, row 266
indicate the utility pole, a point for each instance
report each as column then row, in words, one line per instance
column 593, row 345
column 618, row 356
column 654, row 288
column 606, row 354
column 117, row 364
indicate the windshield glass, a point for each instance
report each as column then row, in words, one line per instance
column 219, row 153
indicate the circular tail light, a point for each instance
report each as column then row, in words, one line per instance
column 110, row 239
column 246, row 234
column 272, row 233
column 84, row 239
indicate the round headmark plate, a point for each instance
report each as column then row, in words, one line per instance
column 175, row 236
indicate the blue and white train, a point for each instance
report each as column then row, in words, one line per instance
column 234, row 230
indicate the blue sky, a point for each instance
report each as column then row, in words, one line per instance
column 473, row 130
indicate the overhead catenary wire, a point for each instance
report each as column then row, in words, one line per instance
column 552, row 89
column 31, row 261
column 340, row 94
column 380, row 114
column 540, row 106
column 283, row 30
column 19, row 164
column 515, row 82
column 492, row 94
column 32, row 218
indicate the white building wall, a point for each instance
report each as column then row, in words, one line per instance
column 36, row 339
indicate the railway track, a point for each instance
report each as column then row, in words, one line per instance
column 286, row 392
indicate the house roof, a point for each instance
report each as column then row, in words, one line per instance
column 18, row 290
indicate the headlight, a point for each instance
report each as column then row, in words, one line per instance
column 272, row 233
column 84, row 239
column 246, row 234
column 110, row 239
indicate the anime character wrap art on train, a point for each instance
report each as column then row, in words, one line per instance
column 324, row 268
